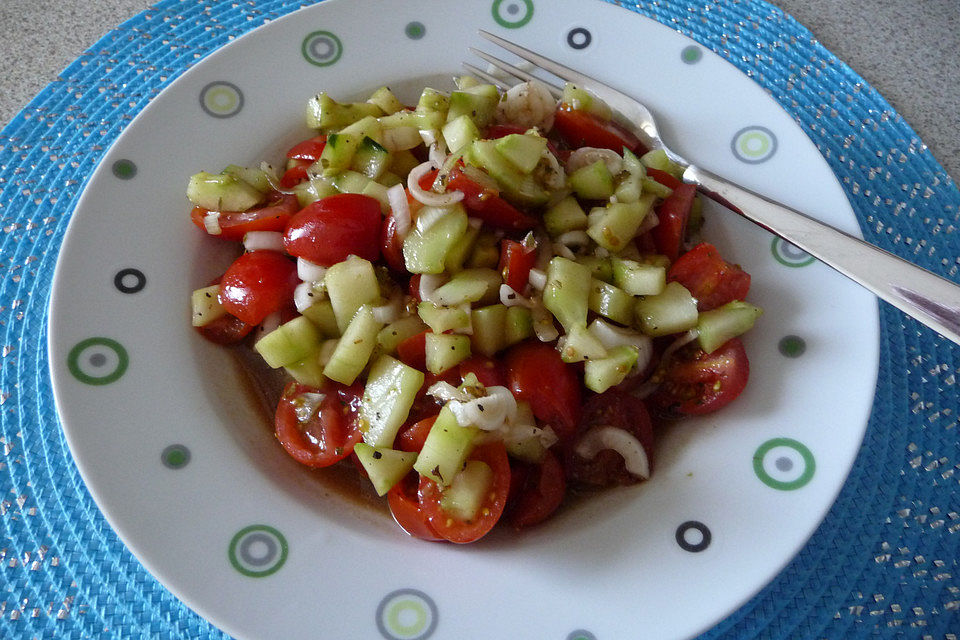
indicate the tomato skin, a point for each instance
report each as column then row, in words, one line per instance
column 580, row 128
column 405, row 507
column 257, row 284
column 617, row 409
column 541, row 493
column 712, row 280
column 331, row 229
column 391, row 245
column 412, row 437
column 673, row 214
column 226, row 330
column 488, row 371
column 487, row 204
column 413, row 351
column 696, row 382
column 664, row 178
column 329, row 435
column 537, row 375
column 516, row 261
column 273, row 216
column 294, row 175
column 309, row 149
column 494, row 454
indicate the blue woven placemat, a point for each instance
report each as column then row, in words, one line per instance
column 883, row 564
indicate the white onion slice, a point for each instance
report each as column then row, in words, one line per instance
column 401, row 138
column 310, row 271
column 574, row 239
column 263, row 241
column 429, row 283
column 387, row 313
column 599, row 438
column 537, row 279
column 585, row 156
column 543, row 325
column 303, row 296
column 397, row 199
column 211, row 222
column 428, row 197
column 649, row 222
column 510, row 298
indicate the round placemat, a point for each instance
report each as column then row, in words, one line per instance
column 882, row 564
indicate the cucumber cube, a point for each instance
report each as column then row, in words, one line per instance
column 600, row 375
column 637, row 278
column 565, row 215
column 470, row 285
column 354, row 348
column 718, row 325
column 445, row 351
column 592, row 182
column 398, row 331
column 445, row 449
column 567, row 292
column 222, row 192
column 518, row 325
column 489, row 329
column 443, row 319
column 351, row 284
column 206, row 305
column 611, row 302
column 435, row 233
column 671, row 311
column 613, row 226
column 465, row 495
column 390, row 391
column 460, row 132
column 580, row 345
column 522, row 150
column 289, row 343
column 386, row 100
column 385, row 467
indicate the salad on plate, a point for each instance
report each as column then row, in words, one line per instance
column 482, row 302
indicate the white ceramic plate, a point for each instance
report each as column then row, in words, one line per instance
column 183, row 464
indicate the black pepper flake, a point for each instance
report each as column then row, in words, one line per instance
column 436, row 472
column 208, row 295
column 377, row 455
column 480, row 407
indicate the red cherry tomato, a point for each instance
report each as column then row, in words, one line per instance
column 405, row 507
column 673, row 214
column 333, row 228
column 495, row 131
column 273, row 216
column 324, row 435
column 712, row 280
column 487, row 370
column 413, row 351
column 583, row 129
column 494, row 455
column 537, row 375
column 696, row 382
column 309, row 149
column 515, row 263
column 391, row 244
column 226, row 330
column 540, row 494
column 412, row 437
column 486, row 204
column 620, row 410
column 295, row 175
column 257, row 284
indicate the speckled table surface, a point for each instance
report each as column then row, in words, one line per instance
column 907, row 51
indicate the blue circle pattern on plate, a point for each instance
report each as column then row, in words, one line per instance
column 885, row 500
column 407, row 614
column 221, row 99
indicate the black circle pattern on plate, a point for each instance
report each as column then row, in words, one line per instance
column 693, row 546
column 130, row 280
column 579, row 38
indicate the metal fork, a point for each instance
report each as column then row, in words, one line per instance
column 921, row 294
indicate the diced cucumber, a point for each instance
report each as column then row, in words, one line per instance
column 578, row 344
column 580, row 99
column 384, row 466
column 308, row 371
column 435, row 233
column 261, row 179
column 402, row 162
column 418, row 120
column 600, row 268
column 611, row 302
column 206, row 305
column 351, row 284
column 435, row 101
column 445, row 351
column 390, row 391
column 522, row 150
column 592, row 182
column 398, row 331
column 386, row 100
column 445, row 449
column 489, row 329
column 325, row 113
column 671, row 311
column 518, row 325
column 354, row 348
column 470, row 285
column 321, row 314
column 485, row 252
column 460, row 252
column 478, row 101
column 600, row 375
column 628, row 187
column 370, row 159
column 638, row 279
column 338, row 153
column 567, row 292
column 655, row 188
column 658, row 159
column 529, row 448
column 614, row 225
column 718, row 325
column 515, row 185
column 442, row 319
column 468, row 491
column 222, row 192
column 460, row 132
column 289, row 343
column 565, row 215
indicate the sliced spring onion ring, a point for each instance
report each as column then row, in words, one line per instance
column 599, row 438
column 429, row 197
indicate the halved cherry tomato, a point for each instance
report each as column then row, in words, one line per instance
column 696, row 382
column 664, row 178
column 537, row 375
column 412, row 437
column 486, row 204
column 515, row 263
column 331, row 229
column 324, row 435
column 309, row 149
column 580, row 128
column 273, row 216
column 487, row 370
column 712, row 280
column 405, row 507
column 673, row 214
column 612, row 408
column 226, row 330
column 257, row 284
column 391, row 244
column 494, row 455
column 413, row 351
column 540, row 494
column 295, row 174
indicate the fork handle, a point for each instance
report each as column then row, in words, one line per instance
column 921, row 294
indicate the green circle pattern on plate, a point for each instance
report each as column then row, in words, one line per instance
column 124, row 169
column 784, row 464
column 322, row 48
column 415, row 30
column 176, row 456
column 257, row 551
column 407, row 614
column 512, row 14
column 754, row 144
column 98, row 361
column 221, row 99
column 692, row 54
column 789, row 255
column 792, row 346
